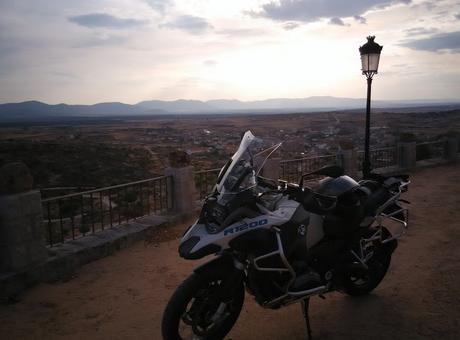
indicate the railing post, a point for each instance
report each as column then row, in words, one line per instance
column 21, row 220
column 272, row 169
column 348, row 160
column 452, row 149
column 183, row 182
column 407, row 157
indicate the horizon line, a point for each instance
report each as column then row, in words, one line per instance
column 439, row 100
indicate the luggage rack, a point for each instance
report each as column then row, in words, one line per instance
column 399, row 215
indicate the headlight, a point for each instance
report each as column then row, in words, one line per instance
column 213, row 228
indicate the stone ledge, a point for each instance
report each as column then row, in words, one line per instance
column 432, row 162
column 64, row 260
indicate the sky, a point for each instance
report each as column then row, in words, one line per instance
column 90, row 51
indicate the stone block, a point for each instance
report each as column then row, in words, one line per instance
column 36, row 253
column 21, row 231
column 15, row 178
column 349, row 161
column 452, row 149
column 179, row 159
column 183, row 188
column 407, row 157
column 18, row 257
column 5, row 258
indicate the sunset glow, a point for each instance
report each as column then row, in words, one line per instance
column 119, row 50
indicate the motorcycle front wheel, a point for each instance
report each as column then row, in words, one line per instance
column 195, row 310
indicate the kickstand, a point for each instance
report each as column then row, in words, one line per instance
column 305, row 304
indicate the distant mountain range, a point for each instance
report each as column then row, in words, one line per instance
column 36, row 110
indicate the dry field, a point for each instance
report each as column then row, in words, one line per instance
column 123, row 296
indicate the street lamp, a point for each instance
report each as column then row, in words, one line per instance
column 370, row 56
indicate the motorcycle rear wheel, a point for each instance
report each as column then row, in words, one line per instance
column 357, row 285
column 361, row 285
column 194, row 303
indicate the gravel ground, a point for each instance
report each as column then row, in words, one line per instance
column 123, row 296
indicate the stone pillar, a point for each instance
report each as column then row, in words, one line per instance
column 348, row 159
column 452, row 149
column 349, row 162
column 183, row 182
column 271, row 169
column 21, row 220
column 407, row 156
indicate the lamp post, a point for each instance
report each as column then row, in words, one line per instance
column 370, row 55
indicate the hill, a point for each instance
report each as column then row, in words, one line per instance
column 35, row 110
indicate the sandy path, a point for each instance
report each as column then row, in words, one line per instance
column 123, row 296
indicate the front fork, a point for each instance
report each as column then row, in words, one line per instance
column 231, row 270
column 233, row 281
column 232, row 273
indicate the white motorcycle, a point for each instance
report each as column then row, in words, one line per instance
column 281, row 241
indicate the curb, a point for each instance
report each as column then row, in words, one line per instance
column 65, row 260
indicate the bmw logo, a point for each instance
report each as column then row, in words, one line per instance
column 301, row 230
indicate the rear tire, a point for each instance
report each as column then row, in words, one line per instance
column 357, row 285
column 190, row 289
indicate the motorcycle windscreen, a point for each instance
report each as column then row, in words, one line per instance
column 237, row 174
column 240, row 173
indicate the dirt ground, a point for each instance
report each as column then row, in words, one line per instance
column 123, row 296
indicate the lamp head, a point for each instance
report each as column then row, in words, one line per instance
column 370, row 56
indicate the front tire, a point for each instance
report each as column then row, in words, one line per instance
column 191, row 311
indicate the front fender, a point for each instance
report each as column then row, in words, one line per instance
column 222, row 263
column 186, row 249
column 223, row 266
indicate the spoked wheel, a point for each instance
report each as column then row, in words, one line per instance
column 363, row 282
column 195, row 310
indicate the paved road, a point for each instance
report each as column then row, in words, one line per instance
column 123, row 296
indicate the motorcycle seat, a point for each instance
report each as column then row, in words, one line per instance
column 375, row 198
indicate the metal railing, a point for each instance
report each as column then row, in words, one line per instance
column 61, row 191
column 379, row 158
column 292, row 169
column 76, row 215
column 205, row 181
column 430, row 150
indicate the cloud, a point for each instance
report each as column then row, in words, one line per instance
column 429, row 5
column 210, row 62
column 188, row 23
column 290, row 26
column 457, row 16
column 314, row 10
column 336, row 21
column 100, row 41
column 360, row 19
column 421, row 31
column 64, row 75
column 104, row 20
column 443, row 41
column 159, row 5
column 241, row 32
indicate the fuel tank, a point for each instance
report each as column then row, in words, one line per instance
column 336, row 186
column 303, row 231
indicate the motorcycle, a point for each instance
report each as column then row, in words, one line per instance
column 282, row 242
